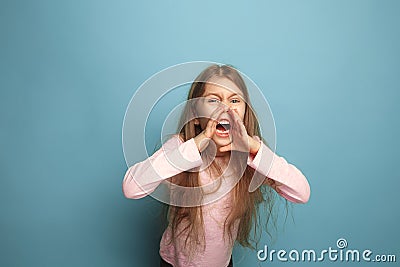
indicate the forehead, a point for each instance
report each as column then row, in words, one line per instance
column 221, row 85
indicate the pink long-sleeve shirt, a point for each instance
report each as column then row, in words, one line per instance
column 177, row 156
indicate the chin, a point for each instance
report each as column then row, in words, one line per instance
column 222, row 141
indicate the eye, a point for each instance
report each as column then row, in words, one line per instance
column 234, row 101
column 212, row 100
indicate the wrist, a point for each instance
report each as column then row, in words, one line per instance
column 201, row 141
column 254, row 146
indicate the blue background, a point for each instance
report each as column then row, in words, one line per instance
column 329, row 69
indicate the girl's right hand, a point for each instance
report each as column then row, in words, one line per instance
column 202, row 140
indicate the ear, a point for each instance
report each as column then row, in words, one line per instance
column 196, row 122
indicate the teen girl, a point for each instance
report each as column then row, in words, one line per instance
column 218, row 137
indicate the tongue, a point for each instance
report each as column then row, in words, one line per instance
column 220, row 127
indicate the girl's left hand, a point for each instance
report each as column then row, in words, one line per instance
column 241, row 141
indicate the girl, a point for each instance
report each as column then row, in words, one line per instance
column 219, row 141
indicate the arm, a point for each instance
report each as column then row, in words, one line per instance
column 174, row 157
column 284, row 177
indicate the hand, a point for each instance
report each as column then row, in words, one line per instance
column 202, row 140
column 241, row 141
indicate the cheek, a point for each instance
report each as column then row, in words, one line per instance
column 204, row 110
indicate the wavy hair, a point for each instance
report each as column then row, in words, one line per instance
column 245, row 204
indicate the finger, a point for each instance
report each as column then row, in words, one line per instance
column 212, row 124
column 210, row 128
column 236, row 118
column 237, row 122
column 242, row 130
column 234, row 114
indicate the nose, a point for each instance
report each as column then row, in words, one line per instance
column 230, row 105
column 227, row 104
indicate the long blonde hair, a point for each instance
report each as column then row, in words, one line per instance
column 244, row 204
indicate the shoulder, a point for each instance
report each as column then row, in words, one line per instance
column 178, row 137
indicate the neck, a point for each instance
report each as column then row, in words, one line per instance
column 218, row 154
column 222, row 154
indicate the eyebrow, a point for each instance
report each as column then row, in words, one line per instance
column 234, row 94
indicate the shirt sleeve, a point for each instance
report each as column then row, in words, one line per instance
column 291, row 183
column 174, row 157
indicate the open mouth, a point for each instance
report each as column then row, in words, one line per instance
column 223, row 127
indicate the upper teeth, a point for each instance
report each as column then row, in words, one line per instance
column 224, row 122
